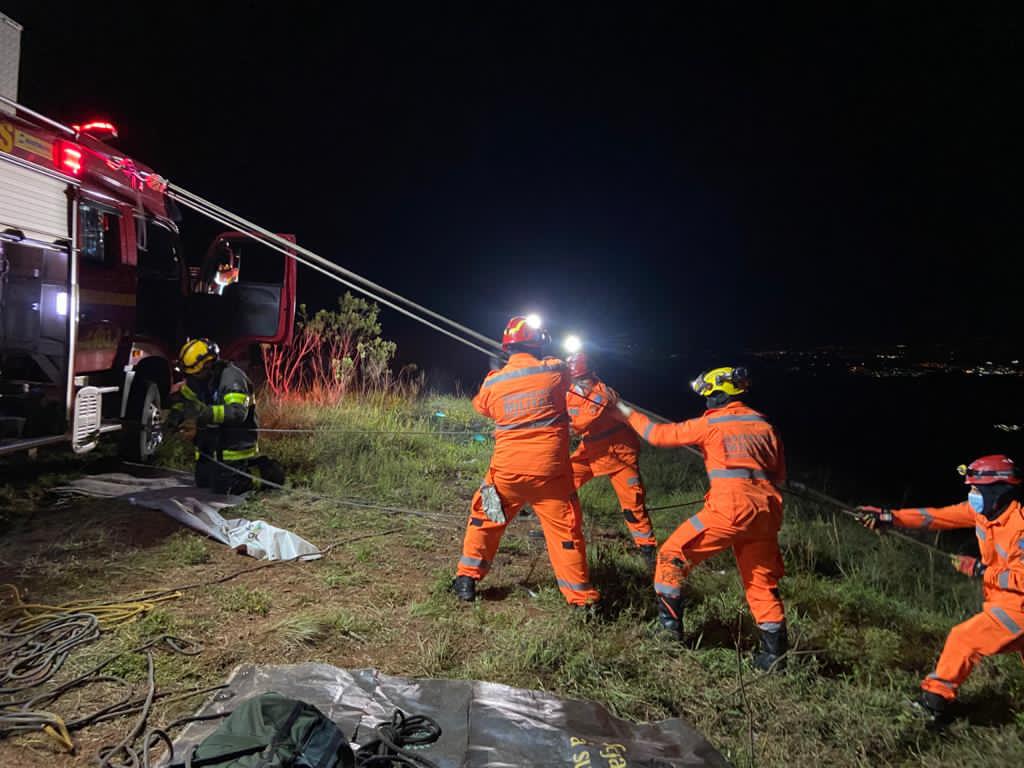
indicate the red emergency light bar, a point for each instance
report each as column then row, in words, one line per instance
column 68, row 157
column 98, row 128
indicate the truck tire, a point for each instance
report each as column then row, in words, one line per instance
column 141, row 433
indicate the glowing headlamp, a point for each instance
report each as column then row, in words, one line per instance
column 533, row 320
column 572, row 344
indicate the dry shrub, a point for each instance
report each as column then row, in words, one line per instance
column 335, row 353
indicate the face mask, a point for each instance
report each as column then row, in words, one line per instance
column 977, row 501
column 992, row 500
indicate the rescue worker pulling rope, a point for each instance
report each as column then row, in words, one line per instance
column 742, row 509
column 526, row 398
column 995, row 509
column 219, row 397
column 608, row 447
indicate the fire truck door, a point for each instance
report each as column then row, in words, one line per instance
column 242, row 293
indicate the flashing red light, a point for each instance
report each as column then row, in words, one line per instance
column 69, row 158
column 97, row 128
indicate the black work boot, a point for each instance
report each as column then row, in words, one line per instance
column 649, row 552
column 587, row 611
column 770, row 657
column 931, row 707
column 670, row 617
column 464, row 588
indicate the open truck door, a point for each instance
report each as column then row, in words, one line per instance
column 242, row 293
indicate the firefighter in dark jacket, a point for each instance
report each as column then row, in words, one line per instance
column 219, row 397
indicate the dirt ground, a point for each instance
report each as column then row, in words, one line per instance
column 361, row 594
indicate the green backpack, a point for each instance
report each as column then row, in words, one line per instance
column 271, row 731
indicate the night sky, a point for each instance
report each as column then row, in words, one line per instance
column 665, row 181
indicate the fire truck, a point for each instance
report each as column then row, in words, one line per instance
column 96, row 294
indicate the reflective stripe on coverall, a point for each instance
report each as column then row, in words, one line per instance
column 530, row 465
column 999, row 628
column 609, row 447
column 742, row 509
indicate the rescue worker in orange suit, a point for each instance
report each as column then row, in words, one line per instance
column 530, row 465
column 219, row 397
column 608, row 447
column 995, row 510
column 742, row 509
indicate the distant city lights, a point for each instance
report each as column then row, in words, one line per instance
column 904, row 362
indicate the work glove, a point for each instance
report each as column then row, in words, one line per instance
column 175, row 418
column 204, row 415
column 624, row 410
column 968, row 566
column 875, row 518
column 492, row 503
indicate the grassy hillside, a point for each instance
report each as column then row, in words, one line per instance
column 867, row 614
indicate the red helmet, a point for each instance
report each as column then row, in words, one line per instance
column 579, row 366
column 990, row 469
column 521, row 331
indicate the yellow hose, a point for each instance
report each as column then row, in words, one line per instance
column 109, row 614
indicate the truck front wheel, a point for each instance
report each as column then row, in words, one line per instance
column 142, row 433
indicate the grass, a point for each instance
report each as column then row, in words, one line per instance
column 186, row 548
column 254, row 602
column 867, row 614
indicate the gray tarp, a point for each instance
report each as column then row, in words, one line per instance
column 482, row 724
column 198, row 508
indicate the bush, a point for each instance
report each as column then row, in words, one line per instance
column 336, row 352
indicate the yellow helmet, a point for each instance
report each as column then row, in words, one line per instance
column 731, row 381
column 196, row 354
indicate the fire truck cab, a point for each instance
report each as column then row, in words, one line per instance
column 96, row 295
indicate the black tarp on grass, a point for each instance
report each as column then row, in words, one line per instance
column 483, row 724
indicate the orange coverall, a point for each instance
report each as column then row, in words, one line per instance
column 609, row 447
column 742, row 509
column 999, row 628
column 530, row 465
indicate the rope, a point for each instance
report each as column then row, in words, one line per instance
column 376, row 292
column 323, row 497
column 108, row 755
column 298, row 430
column 802, row 491
column 274, row 563
column 333, row 271
column 677, row 506
column 32, row 656
column 38, row 638
column 26, row 715
column 129, row 705
column 109, row 614
column 336, row 272
column 388, row 749
column 23, row 716
column 397, row 510
column 208, row 208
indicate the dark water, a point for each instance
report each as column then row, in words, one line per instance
column 891, row 441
